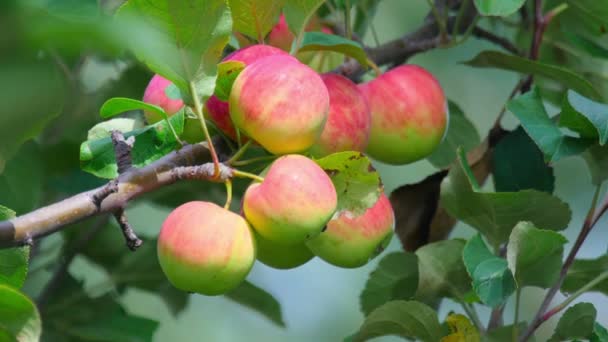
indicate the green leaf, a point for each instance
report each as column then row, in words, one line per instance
column 500, row 8
column 27, row 107
column 577, row 322
column 227, row 74
column 535, row 255
column 495, row 214
column 182, row 41
column 495, row 59
column 589, row 14
column 518, row 164
column 365, row 10
column 600, row 334
column 597, row 162
column 151, row 143
column 13, row 266
column 258, row 300
column 504, row 334
column 299, row 12
column 583, row 271
column 395, row 277
column 119, row 105
column 585, row 116
column 22, row 183
column 492, row 279
column 408, row 319
column 530, row 111
column 73, row 315
column 441, row 271
column 19, row 318
column 461, row 329
column 255, row 18
column 319, row 41
column 461, row 133
column 587, row 45
column 105, row 128
column 357, row 183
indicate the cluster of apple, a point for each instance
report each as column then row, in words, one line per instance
column 291, row 216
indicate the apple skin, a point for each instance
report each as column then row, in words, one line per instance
column 279, row 256
column 409, row 114
column 351, row 241
column 219, row 111
column 349, row 120
column 280, row 35
column 281, row 103
column 293, row 203
column 206, row 249
column 155, row 94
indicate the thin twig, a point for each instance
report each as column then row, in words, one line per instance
column 498, row 40
column 131, row 239
column 584, row 232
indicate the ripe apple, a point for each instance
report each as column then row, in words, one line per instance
column 217, row 110
column 281, row 256
column 155, row 94
column 293, row 203
column 348, row 123
column 206, row 249
column 350, row 240
column 280, row 103
column 409, row 114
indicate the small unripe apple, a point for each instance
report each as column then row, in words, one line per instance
column 206, row 249
column 281, row 256
column 217, row 110
column 280, row 103
column 409, row 114
column 155, row 94
column 352, row 240
column 293, row 203
column 280, row 35
column 348, row 123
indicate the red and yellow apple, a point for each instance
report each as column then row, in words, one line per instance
column 409, row 114
column 293, row 203
column 217, row 110
column 155, row 94
column 352, row 240
column 206, row 249
column 348, row 123
column 280, row 103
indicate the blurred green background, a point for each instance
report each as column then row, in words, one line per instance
column 321, row 302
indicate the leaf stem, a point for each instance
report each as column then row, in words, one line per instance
column 228, row 184
column 467, row 169
column 516, row 317
column 252, row 160
column 239, row 153
column 243, row 174
column 472, row 313
column 347, row 19
column 199, row 113
column 440, row 21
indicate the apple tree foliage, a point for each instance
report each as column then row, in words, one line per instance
column 49, row 137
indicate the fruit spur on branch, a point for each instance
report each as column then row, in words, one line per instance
column 316, row 130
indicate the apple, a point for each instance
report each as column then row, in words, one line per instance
column 280, row 35
column 217, row 110
column 293, row 203
column 205, row 248
column 155, row 94
column 352, row 240
column 409, row 114
column 281, row 256
column 348, row 123
column 281, row 103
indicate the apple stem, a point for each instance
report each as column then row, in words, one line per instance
column 252, row 160
column 243, row 174
column 199, row 112
column 374, row 67
column 239, row 153
column 228, row 184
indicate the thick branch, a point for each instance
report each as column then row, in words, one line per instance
column 131, row 184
